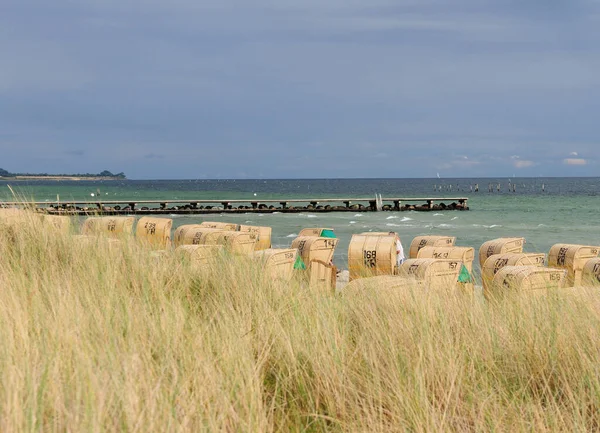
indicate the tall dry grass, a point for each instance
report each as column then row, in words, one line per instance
column 98, row 338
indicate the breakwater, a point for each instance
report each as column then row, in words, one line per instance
column 187, row 206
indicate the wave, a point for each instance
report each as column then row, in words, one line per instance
column 438, row 214
column 406, row 219
column 293, row 235
column 358, row 215
column 352, row 222
column 391, row 217
column 455, row 218
column 311, row 216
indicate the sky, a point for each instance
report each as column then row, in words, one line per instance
column 198, row 89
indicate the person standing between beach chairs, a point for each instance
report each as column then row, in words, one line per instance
column 400, row 258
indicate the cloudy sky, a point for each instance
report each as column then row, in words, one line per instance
column 301, row 88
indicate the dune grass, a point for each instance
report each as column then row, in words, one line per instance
column 98, row 337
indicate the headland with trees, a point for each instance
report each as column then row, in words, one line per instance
column 103, row 175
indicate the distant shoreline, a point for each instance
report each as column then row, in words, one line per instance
column 75, row 178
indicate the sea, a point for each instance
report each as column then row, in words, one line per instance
column 544, row 211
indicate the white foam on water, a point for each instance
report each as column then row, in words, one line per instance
column 248, row 222
column 311, row 216
column 438, row 214
column 395, row 225
column 358, row 215
column 406, row 219
column 352, row 222
column 293, row 235
column 455, row 218
column 391, row 217
column 494, row 225
column 275, row 213
column 444, row 225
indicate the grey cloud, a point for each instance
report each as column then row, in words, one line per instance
column 575, row 161
column 76, row 152
column 153, row 156
column 424, row 82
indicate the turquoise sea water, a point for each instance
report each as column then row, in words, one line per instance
column 565, row 210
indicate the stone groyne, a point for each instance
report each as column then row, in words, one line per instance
column 190, row 206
